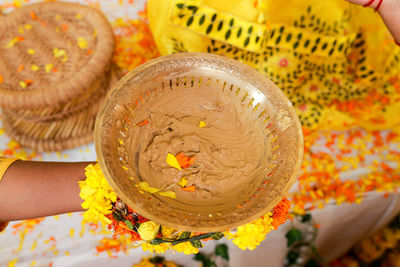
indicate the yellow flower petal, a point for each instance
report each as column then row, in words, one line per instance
column 186, row 248
column 173, row 162
column 97, row 195
column 12, row 42
column 202, row 124
column 12, row 263
column 22, row 84
column 155, row 248
column 167, row 231
column 34, row 67
column 31, row 51
column 148, row 230
column 147, row 188
column 183, row 182
column 48, row 67
column 82, row 43
column 59, row 52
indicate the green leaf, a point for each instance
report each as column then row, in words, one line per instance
column 196, row 244
column 316, row 253
column 129, row 224
column 305, row 218
column 157, row 259
column 292, row 236
column 185, row 235
column 292, row 257
column 155, row 241
column 312, row 263
column 222, row 251
column 207, row 262
column 117, row 216
column 217, row 236
column 179, row 5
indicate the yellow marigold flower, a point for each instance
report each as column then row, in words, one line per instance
column 97, row 195
column 250, row 235
column 148, row 230
column 155, row 249
column 167, row 231
column 186, row 248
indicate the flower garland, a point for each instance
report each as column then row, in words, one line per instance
column 102, row 205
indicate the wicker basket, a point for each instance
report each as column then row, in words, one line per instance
column 55, row 65
column 71, row 45
column 64, row 133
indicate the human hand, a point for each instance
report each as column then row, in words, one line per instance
column 389, row 10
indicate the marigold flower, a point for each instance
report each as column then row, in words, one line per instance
column 148, row 230
column 186, row 248
column 97, row 195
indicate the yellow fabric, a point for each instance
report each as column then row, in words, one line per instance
column 335, row 61
column 4, row 164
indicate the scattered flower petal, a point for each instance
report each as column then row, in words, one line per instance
column 202, row 124
column 173, row 162
column 82, row 43
column 183, row 182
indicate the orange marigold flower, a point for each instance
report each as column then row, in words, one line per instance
column 280, row 213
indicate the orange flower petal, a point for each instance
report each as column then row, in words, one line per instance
column 191, row 188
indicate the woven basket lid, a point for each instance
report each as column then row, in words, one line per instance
column 64, row 133
column 72, row 107
column 219, row 84
column 50, row 53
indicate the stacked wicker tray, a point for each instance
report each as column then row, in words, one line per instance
column 55, row 69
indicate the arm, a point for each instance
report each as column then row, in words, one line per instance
column 34, row 189
column 389, row 12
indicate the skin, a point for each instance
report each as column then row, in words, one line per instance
column 36, row 189
column 389, row 12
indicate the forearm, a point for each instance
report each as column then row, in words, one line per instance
column 35, row 189
column 390, row 13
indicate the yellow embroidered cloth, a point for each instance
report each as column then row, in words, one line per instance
column 335, row 61
column 4, row 164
